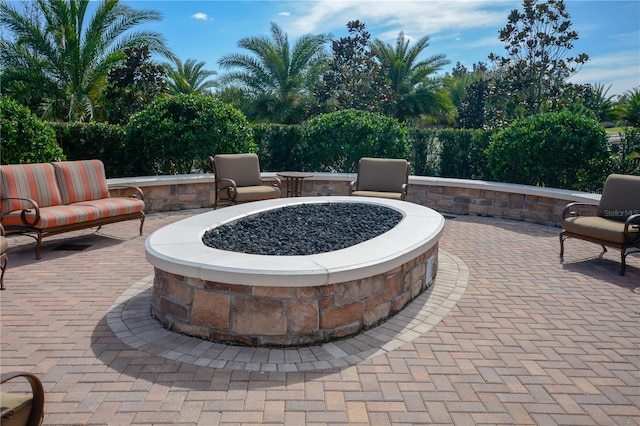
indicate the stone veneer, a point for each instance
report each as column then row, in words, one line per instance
column 286, row 316
column 447, row 196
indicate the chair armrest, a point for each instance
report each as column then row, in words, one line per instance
column 34, row 206
column 352, row 186
column 568, row 209
column 137, row 192
column 37, row 405
column 277, row 180
column 632, row 226
column 227, row 183
column 2, row 230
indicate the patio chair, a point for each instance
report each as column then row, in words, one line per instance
column 4, row 261
column 22, row 408
column 238, row 180
column 381, row 177
column 617, row 220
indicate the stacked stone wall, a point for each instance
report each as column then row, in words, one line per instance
column 289, row 315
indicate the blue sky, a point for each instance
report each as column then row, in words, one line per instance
column 464, row 31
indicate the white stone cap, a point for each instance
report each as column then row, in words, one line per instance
column 178, row 248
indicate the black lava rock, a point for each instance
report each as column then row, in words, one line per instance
column 303, row 229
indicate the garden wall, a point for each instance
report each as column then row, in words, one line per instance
column 447, row 196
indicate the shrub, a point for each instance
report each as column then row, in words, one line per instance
column 280, row 147
column 463, row 154
column 425, row 156
column 176, row 133
column 24, row 138
column 627, row 159
column 106, row 142
column 339, row 139
column 560, row 150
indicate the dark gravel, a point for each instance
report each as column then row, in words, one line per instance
column 303, row 229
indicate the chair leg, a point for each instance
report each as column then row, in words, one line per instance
column 603, row 252
column 562, row 238
column 4, row 261
column 623, row 258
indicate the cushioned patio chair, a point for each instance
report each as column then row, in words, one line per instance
column 381, row 177
column 617, row 220
column 22, row 408
column 4, row 261
column 238, row 180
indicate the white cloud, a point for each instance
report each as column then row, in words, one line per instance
column 618, row 70
column 200, row 16
column 284, row 13
column 412, row 17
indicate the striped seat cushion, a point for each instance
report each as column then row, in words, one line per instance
column 115, row 206
column 53, row 216
column 83, row 180
column 33, row 181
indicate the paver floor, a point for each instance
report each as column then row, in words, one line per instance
column 530, row 341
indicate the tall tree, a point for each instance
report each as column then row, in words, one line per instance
column 355, row 79
column 277, row 76
column 628, row 108
column 416, row 91
column 189, row 77
column 132, row 86
column 68, row 54
column 537, row 66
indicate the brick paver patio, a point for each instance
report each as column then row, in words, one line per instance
column 528, row 340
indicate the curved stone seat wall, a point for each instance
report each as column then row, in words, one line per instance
column 447, row 196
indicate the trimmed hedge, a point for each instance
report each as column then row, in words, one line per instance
column 175, row 134
column 24, row 138
column 339, row 139
column 85, row 141
column 281, row 147
column 558, row 150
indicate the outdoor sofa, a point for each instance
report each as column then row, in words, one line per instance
column 46, row 199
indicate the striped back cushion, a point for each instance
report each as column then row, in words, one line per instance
column 34, row 181
column 83, row 180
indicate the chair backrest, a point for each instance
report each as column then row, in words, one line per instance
column 382, row 174
column 620, row 197
column 82, row 180
column 34, row 181
column 244, row 169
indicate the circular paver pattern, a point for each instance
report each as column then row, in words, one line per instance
column 131, row 321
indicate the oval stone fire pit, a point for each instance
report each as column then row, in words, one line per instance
column 266, row 300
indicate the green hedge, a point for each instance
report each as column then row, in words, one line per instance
column 24, row 138
column 280, row 147
column 463, row 153
column 561, row 150
column 176, row 134
column 558, row 150
column 106, row 142
column 339, row 139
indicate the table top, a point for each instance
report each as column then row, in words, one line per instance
column 296, row 175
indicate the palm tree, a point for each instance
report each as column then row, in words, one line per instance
column 416, row 92
column 628, row 109
column 276, row 76
column 189, row 77
column 58, row 48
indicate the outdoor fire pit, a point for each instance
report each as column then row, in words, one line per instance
column 295, row 299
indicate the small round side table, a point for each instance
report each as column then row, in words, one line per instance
column 294, row 182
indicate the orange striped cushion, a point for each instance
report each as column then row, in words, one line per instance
column 34, row 181
column 83, row 180
column 116, row 206
column 55, row 216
